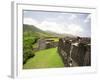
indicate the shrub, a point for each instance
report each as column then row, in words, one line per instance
column 27, row 54
column 28, row 41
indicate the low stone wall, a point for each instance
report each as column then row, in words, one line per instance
column 51, row 45
column 45, row 44
column 41, row 44
column 74, row 54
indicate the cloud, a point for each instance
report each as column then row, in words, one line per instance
column 87, row 19
column 30, row 21
column 55, row 26
column 75, row 29
column 72, row 17
column 52, row 26
column 61, row 28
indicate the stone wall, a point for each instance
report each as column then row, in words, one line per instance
column 77, row 53
column 64, row 50
column 81, row 54
column 45, row 44
column 51, row 45
column 41, row 44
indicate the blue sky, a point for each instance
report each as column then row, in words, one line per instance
column 60, row 22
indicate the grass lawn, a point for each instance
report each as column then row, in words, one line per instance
column 48, row 58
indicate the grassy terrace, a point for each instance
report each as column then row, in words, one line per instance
column 48, row 58
column 35, row 45
column 55, row 39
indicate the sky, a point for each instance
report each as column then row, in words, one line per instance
column 78, row 24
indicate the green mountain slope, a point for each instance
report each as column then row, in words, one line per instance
column 33, row 30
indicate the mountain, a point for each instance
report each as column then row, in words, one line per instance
column 60, row 35
column 40, row 33
column 35, row 31
column 32, row 28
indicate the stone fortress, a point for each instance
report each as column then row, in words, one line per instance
column 46, row 43
column 75, row 51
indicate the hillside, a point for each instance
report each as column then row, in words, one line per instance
column 40, row 33
column 33, row 28
column 35, row 31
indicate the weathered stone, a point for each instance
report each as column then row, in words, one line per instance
column 67, row 47
column 41, row 44
column 78, row 53
column 51, row 45
column 87, row 57
column 46, row 43
column 75, row 51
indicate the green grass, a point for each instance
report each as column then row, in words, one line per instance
column 35, row 45
column 55, row 39
column 48, row 58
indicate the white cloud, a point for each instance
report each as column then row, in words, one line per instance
column 55, row 26
column 72, row 17
column 52, row 26
column 87, row 19
column 30, row 21
column 75, row 29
